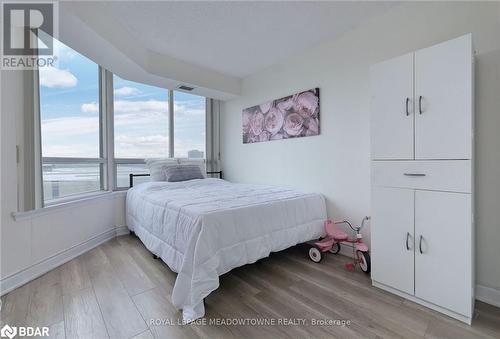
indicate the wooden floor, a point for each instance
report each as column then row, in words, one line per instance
column 116, row 289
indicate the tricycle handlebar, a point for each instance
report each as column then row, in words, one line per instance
column 357, row 229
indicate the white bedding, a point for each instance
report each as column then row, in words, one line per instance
column 204, row 228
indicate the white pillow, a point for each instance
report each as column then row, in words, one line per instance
column 157, row 165
column 199, row 162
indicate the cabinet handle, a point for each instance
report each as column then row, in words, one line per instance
column 420, row 104
column 420, row 245
column 407, row 101
column 414, row 174
column 407, row 237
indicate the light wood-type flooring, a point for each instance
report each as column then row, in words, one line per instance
column 118, row 290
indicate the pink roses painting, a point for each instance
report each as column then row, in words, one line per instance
column 293, row 116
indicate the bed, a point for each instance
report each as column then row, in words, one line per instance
column 203, row 228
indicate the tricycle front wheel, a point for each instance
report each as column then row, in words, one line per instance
column 335, row 248
column 364, row 261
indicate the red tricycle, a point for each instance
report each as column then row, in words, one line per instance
column 335, row 237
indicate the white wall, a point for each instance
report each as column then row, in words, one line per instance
column 336, row 163
column 41, row 241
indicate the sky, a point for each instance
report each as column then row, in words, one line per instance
column 69, row 108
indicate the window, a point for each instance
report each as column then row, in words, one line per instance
column 189, row 125
column 141, row 120
column 141, row 127
column 74, row 95
column 70, row 124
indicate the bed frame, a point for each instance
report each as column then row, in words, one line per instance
column 131, row 176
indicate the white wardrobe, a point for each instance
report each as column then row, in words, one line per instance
column 422, row 234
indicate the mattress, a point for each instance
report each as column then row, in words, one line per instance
column 204, row 228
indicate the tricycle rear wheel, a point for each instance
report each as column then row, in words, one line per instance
column 315, row 254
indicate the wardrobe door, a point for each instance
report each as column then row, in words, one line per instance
column 443, row 100
column 392, row 239
column 392, row 109
column 443, row 249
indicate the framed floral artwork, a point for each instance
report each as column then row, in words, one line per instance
column 294, row 116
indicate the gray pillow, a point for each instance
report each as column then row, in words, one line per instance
column 157, row 166
column 176, row 173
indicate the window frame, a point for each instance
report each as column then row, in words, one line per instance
column 107, row 162
column 114, row 162
column 125, row 161
column 172, row 123
column 101, row 161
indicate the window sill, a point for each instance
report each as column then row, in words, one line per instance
column 76, row 197
column 66, row 204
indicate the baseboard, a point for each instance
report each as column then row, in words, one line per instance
column 20, row 278
column 488, row 295
column 122, row 230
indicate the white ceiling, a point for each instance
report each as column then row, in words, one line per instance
column 238, row 38
column 210, row 45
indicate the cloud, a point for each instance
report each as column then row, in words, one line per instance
column 63, row 52
column 139, row 119
column 150, row 106
column 147, row 107
column 148, row 146
column 73, row 128
column 70, row 136
column 70, row 126
column 187, row 109
column 52, row 77
column 149, row 139
column 127, row 91
column 126, row 107
column 92, row 107
column 136, row 135
column 79, row 150
column 140, row 130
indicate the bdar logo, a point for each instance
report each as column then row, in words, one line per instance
column 24, row 331
column 9, row 332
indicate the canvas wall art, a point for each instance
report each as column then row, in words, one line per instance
column 293, row 116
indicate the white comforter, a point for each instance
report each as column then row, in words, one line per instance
column 204, row 228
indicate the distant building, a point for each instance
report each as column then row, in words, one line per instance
column 196, row 154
